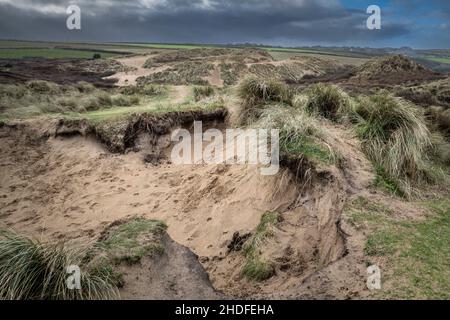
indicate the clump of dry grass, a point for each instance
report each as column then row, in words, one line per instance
column 328, row 101
column 43, row 87
column 395, row 137
column 30, row 270
column 84, row 87
column 256, row 92
column 300, row 133
column 37, row 97
column 440, row 149
column 201, row 92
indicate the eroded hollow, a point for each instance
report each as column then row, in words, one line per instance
column 72, row 187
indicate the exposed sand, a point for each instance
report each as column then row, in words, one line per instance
column 215, row 79
column 72, row 188
column 180, row 94
column 136, row 62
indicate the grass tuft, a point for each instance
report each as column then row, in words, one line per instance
column 299, row 132
column 328, row 101
column 201, row 92
column 131, row 241
column 30, row 269
column 256, row 267
column 256, row 92
column 395, row 137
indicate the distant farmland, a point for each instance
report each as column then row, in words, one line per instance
column 438, row 59
column 51, row 53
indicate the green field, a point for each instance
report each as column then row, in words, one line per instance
column 164, row 46
column 438, row 59
column 51, row 53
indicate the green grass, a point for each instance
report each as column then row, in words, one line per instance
column 382, row 180
column 417, row 252
column 168, row 46
column 362, row 212
column 155, row 106
column 51, row 53
column 256, row 267
column 311, row 149
column 131, row 241
column 201, row 92
column 83, row 100
column 437, row 59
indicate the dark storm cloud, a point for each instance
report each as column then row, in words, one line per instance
column 285, row 22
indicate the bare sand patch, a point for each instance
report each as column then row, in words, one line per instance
column 136, row 63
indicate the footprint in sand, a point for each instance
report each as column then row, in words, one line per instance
column 93, row 205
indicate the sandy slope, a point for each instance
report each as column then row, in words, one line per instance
column 72, row 188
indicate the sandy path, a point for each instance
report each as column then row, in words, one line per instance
column 214, row 79
column 136, row 62
column 181, row 94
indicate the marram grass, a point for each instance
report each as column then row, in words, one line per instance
column 394, row 136
column 34, row 270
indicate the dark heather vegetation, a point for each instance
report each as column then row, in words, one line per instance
column 60, row 71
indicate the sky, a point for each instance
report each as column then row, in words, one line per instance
column 419, row 24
